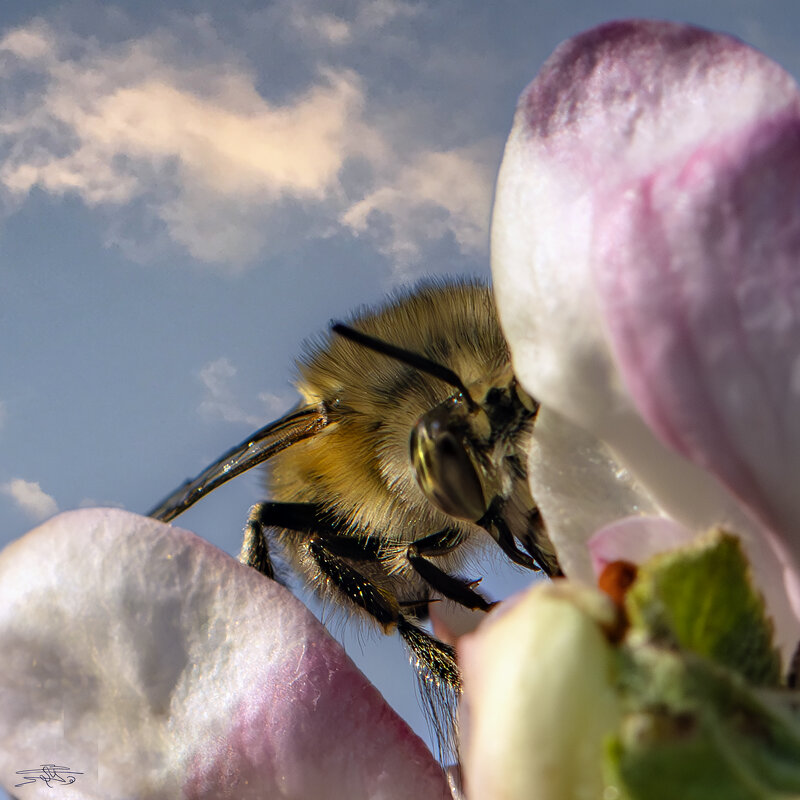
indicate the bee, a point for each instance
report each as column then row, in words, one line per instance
column 405, row 457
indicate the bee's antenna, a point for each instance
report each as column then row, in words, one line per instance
column 407, row 357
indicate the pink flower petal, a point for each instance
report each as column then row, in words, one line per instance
column 157, row 666
column 698, row 266
column 644, row 247
column 608, row 106
column 636, row 539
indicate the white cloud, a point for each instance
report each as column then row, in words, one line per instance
column 219, row 379
column 171, row 138
column 276, row 405
column 219, row 401
column 313, row 21
column 30, row 498
column 330, row 29
column 377, row 13
column 120, row 123
column 211, row 142
column 438, row 193
column 29, row 44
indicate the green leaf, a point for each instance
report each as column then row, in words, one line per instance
column 697, row 731
column 701, row 598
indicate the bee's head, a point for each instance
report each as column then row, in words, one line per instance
column 453, row 445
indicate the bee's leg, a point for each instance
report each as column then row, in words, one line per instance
column 328, row 547
column 456, row 589
column 435, row 660
column 431, row 654
column 435, row 657
column 439, row 683
column 356, row 587
column 300, row 517
column 495, row 525
column 416, row 609
column 255, row 549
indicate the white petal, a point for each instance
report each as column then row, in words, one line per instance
column 609, row 112
column 579, row 487
column 539, row 697
column 157, row 666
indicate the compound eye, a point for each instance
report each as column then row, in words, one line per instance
column 445, row 471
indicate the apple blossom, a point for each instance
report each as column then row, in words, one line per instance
column 156, row 666
column 645, row 248
column 669, row 688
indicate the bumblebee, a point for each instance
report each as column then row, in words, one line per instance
column 405, row 458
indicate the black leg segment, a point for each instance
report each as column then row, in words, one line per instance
column 255, row 548
column 353, row 585
column 456, row 589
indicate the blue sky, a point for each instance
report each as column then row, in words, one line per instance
column 188, row 190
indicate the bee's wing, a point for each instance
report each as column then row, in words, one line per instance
column 259, row 446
